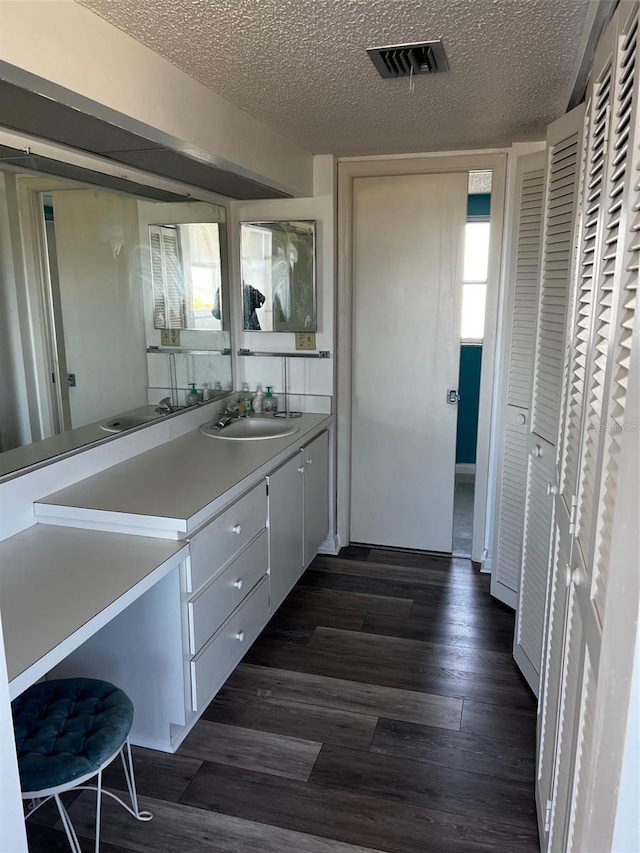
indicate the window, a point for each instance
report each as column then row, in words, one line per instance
column 476, row 257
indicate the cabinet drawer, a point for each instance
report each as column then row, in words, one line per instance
column 217, row 601
column 213, row 665
column 226, row 535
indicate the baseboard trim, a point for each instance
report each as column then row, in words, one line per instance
column 330, row 546
column 465, row 467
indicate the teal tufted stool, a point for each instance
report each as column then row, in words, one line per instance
column 67, row 731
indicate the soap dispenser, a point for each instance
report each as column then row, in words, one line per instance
column 192, row 397
column 269, row 402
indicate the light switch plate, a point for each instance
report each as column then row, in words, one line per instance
column 305, row 340
column 170, row 337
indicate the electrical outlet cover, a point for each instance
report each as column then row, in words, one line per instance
column 170, row 337
column 305, row 340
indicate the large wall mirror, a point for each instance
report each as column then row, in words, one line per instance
column 278, row 265
column 84, row 309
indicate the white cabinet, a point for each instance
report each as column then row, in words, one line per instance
column 174, row 648
column 298, row 515
column 217, row 660
column 285, row 528
column 315, row 503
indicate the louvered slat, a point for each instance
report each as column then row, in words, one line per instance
column 579, row 315
column 605, row 247
column 564, row 740
column 157, row 280
column 554, row 651
column 169, row 308
column 586, row 723
column 526, row 290
column 628, row 263
column 512, row 499
column 535, row 563
column 558, row 252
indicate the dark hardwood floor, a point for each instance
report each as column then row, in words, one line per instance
column 380, row 710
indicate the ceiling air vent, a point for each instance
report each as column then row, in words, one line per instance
column 426, row 57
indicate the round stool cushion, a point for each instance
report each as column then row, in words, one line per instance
column 68, row 728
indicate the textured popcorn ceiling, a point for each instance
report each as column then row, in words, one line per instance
column 301, row 67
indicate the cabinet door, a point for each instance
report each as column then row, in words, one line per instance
column 315, row 506
column 285, row 529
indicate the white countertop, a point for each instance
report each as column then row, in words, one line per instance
column 59, row 585
column 174, row 488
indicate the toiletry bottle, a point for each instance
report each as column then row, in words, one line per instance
column 269, row 403
column 244, row 403
column 192, row 396
column 207, row 392
column 257, row 400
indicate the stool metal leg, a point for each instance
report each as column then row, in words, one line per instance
column 127, row 765
column 98, row 810
column 68, row 826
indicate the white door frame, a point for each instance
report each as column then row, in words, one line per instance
column 348, row 170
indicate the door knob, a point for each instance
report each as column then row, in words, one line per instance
column 552, row 489
column 452, row 396
column 239, row 583
column 237, row 529
column 536, row 451
column 572, row 576
column 301, row 469
column 240, row 636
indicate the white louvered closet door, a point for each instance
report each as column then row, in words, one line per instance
column 569, row 776
column 558, row 255
column 521, row 319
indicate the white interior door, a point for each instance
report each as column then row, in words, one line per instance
column 408, row 241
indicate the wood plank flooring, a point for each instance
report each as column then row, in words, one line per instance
column 380, row 711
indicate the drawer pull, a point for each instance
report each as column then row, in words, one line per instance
column 240, row 636
column 239, row 583
column 237, row 529
column 301, row 469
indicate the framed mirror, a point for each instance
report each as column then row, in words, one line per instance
column 278, row 268
column 186, row 275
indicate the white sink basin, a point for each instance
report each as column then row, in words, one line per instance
column 250, row 429
column 123, row 422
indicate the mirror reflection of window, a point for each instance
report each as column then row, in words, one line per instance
column 186, row 276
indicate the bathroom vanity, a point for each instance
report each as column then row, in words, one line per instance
column 159, row 572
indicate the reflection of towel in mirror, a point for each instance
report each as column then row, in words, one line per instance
column 252, row 299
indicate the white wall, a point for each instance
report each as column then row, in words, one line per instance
column 98, row 263
column 62, row 42
column 306, row 376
